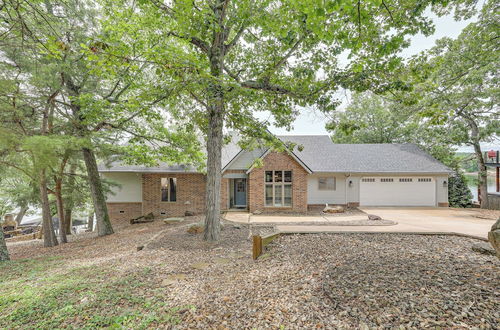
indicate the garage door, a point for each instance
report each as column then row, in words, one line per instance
column 397, row 191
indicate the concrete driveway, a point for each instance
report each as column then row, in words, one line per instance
column 435, row 219
column 409, row 219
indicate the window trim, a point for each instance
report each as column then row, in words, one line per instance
column 326, row 184
column 274, row 184
column 168, row 189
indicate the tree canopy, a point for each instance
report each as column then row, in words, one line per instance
column 222, row 61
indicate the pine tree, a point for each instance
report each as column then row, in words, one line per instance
column 459, row 194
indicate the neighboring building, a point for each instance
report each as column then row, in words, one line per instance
column 321, row 172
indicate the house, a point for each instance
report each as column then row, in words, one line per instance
column 315, row 173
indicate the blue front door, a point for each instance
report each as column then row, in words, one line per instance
column 240, row 192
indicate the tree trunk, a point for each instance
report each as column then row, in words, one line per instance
column 49, row 237
column 482, row 177
column 482, row 170
column 69, row 202
column 90, row 222
column 21, row 214
column 68, row 220
column 214, row 148
column 102, row 217
column 60, row 210
column 4, row 253
column 215, row 112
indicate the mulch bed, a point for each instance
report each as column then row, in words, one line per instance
column 303, row 281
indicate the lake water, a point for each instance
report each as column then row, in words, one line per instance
column 472, row 184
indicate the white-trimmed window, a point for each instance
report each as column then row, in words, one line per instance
column 327, row 183
column 405, row 180
column 368, row 180
column 424, row 179
column 386, row 180
column 169, row 189
column 278, row 189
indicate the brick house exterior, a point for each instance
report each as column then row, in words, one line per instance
column 256, row 183
column 316, row 174
column 190, row 194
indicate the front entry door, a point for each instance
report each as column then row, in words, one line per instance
column 240, row 192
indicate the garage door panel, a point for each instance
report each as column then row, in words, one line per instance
column 397, row 191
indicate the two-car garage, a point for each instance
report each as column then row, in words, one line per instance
column 397, row 191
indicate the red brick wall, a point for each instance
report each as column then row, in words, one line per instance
column 284, row 162
column 131, row 210
column 190, row 188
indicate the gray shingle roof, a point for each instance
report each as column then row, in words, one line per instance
column 320, row 154
column 117, row 166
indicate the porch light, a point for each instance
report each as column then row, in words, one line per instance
column 350, row 183
column 445, row 183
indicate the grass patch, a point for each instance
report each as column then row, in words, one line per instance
column 43, row 294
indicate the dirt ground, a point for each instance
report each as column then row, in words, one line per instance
column 180, row 281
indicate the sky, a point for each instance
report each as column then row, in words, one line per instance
column 311, row 122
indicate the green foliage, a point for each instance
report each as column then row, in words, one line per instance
column 372, row 118
column 456, row 82
column 375, row 119
column 268, row 65
column 459, row 194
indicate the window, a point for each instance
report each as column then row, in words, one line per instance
column 424, row 179
column 278, row 190
column 368, row 180
column 168, row 189
column 387, row 180
column 327, row 183
column 405, row 180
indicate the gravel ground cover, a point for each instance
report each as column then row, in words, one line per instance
column 303, row 281
column 317, row 210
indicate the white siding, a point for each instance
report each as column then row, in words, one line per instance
column 245, row 159
column 130, row 189
column 353, row 189
column 441, row 189
column 316, row 196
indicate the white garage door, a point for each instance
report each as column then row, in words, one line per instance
column 397, row 191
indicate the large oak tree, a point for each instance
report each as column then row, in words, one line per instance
column 225, row 60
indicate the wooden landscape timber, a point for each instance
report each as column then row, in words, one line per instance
column 260, row 243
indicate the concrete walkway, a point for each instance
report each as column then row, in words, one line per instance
column 245, row 217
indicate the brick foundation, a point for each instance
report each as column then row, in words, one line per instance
column 443, row 204
column 256, row 185
column 130, row 211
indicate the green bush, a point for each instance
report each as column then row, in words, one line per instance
column 459, row 194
